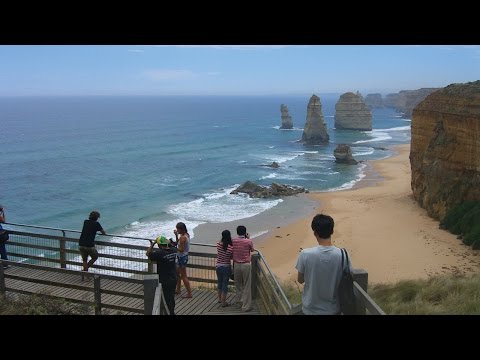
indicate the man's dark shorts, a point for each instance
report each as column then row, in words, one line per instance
column 85, row 251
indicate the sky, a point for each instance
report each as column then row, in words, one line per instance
column 64, row 70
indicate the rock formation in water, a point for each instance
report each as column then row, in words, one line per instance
column 259, row 191
column 445, row 148
column 374, row 101
column 406, row 100
column 351, row 113
column 315, row 129
column 343, row 155
column 286, row 118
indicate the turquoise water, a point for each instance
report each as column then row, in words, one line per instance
column 148, row 162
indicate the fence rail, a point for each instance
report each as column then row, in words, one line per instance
column 124, row 256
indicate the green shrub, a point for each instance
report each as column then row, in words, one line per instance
column 464, row 220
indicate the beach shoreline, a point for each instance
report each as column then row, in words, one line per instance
column 385, row 231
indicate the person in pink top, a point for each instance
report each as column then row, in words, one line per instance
column 242, row 248
column 223, row 266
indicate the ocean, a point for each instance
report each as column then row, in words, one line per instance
column 146, row 163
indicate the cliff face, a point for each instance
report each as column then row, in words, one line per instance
column 445, row 148
column 374, row 101
column 352, row 113
column 315, row 130
column 406, row 100
column 286, row 118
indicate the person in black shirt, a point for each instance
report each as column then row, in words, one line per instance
column 165, row 257
column 87, row 239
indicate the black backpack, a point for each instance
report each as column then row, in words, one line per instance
column 345, row 289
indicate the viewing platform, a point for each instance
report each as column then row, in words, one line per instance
column 46, row 261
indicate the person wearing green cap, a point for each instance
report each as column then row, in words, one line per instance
column 165, row 257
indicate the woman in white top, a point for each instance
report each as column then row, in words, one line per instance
column 183, row 244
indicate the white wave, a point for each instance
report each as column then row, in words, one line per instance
column 221, row 207
column 134, row 223
column 306, row 152
column 350, row 184
column 292, row 129
column 241, row 161
column 281, row 158
column 399, row 128
column 270, row 147
column 409, row 120
column 362, row 153
column 378, row 136
column 269, row 176
column 397, row 116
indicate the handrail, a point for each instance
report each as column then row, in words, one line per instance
column 290, row 306
column 111, row 235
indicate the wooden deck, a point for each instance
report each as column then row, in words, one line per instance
column 205, row 302
column 71, row 287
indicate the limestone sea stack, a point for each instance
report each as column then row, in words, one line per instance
column 374, row 101
column 315, row 129
column 343, row 155
column 352, row 113
column 445, row 148
column 286, row 118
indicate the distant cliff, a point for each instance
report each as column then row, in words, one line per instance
column 406, row 100
column 445, row 148
column 374, row 101
column 286, row 118
column 315, row 129
column 351, row 113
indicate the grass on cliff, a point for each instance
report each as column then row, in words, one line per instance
column 440, row 295
column 464, row 220
column 40, row 304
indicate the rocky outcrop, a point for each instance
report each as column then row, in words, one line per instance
column 273, row 165
column 352, row 113
column 259, row 191
column 286, row 118
column 445, row 148
column 406, row 100
column 374, row 101
column 315, row 129
column 343, row 155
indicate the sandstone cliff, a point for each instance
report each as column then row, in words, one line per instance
column 374, row 101
column 286, row 118
column 315, row 129
column 406, row 100
column 351, row 113
column 445, row 148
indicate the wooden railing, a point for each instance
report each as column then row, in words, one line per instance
column 273, row 301
column 127, row 261
column 104, row 292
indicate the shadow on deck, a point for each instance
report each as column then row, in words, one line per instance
column 205, row 302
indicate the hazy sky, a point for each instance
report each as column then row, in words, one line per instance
column 231, row 70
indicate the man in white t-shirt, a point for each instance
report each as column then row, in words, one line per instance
column 320, row 269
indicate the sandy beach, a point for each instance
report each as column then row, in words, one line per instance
column 382, row 227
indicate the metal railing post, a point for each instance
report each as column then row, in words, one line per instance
column 361, row 277
column 63, row 258
column 98, row 295
column 150, row 283
column 254, row 274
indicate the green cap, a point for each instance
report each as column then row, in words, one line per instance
column 162, row 240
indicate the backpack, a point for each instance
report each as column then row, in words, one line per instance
column 345, row 289
column 3, row 236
